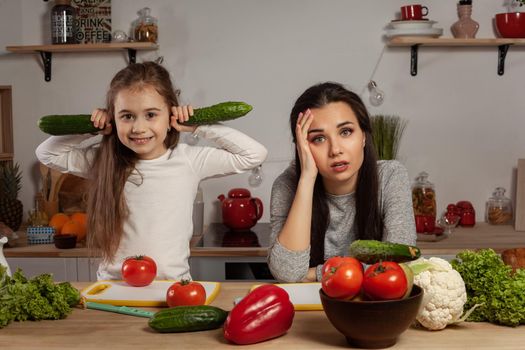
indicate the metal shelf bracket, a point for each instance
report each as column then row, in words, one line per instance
column 413, row 59
column 502, row 53
column 46, row 60
column 132, row 56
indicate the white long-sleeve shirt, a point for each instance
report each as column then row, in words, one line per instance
column 159, row 223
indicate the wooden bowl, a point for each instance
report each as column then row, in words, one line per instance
column 65, row 241
column 372, row 324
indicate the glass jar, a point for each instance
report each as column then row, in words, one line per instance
column 424, row 203
column 63, row 23
column 499, row 208
column 145, row 28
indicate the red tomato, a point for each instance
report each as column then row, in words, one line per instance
column 343, row 281
column 185, row 292
column 385, row 280
column 139, row 271
column 338, row 260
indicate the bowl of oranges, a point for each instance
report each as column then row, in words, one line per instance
column 69, row 229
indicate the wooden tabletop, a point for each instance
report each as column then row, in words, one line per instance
column 480, row 236
column 92, row 329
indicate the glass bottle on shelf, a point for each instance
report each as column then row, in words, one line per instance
column 63, row 23
column 145, row 28
column 499, row 208
column 424, row 204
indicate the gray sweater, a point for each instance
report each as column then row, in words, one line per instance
column 395, row 203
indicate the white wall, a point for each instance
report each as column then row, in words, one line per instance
column 465, row 122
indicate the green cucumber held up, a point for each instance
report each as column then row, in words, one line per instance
column 81, row 123
column 371, row 251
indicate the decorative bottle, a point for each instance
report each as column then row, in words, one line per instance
column 465, row 27
column 424, row 204
column 145, row 28
column 63, row 23
column 499, row 208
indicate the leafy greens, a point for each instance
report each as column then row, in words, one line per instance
column 38, row 298
column 489, row 281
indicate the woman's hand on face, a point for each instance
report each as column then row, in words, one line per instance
column 181, row 114
column 308, row 167
column 101, row 120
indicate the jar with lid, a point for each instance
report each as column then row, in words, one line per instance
column 63, row 23
column 145, row 29
column 424, row 203
column 499, row 208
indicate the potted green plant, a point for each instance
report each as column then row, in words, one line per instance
column 387, row 131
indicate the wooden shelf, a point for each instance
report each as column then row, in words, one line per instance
column 46, row 51
column 414, row 43
column 412, row 40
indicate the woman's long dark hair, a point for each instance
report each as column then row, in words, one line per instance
column 368, row 217
column 114, row 162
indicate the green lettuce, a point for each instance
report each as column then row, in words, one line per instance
column 490, row 282
column 38, row 298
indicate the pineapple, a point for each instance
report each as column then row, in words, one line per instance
column 11, row 209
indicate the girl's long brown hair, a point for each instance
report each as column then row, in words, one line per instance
column 113, row 162
column 368, row 218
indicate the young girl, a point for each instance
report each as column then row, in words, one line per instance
column 143, row 182
column 336, row 192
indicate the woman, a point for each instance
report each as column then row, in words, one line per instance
column 336, row 191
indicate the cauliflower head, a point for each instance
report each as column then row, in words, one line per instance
column 444, row 292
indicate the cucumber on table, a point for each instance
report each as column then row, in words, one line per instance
column 372, row 251
column 188, row 319
column 81, row 123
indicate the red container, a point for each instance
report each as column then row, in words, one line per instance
column 510, row 25
column 240, row 211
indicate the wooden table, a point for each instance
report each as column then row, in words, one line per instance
column 92, row 329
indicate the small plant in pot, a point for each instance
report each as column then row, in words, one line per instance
column 511, row 24
column 387, row 131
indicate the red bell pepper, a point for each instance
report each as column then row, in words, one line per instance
column 265, row 313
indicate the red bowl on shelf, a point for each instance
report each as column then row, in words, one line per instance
column 510, row 25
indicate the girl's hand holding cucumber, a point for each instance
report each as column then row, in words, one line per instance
column 180, row 115
column 101, row 120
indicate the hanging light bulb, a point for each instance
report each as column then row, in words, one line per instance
column 377, row 95
column 192, row 139
column 256, row 177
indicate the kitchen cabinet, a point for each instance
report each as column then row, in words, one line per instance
column 502, row 44
column 46, row 51
column 214, row 258
column 63, row 269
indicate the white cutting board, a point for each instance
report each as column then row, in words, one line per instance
column 304, row 296
column 122, row 294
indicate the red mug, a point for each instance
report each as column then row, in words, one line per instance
column 413, row 12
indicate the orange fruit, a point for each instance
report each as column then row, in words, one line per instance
column 81, row 219
column 72, row 227
column 57, row 221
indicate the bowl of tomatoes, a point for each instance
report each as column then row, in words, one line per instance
column 371, row 307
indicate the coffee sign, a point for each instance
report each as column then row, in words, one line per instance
column 93, row 21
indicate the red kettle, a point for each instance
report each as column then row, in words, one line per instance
column 240, row 211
